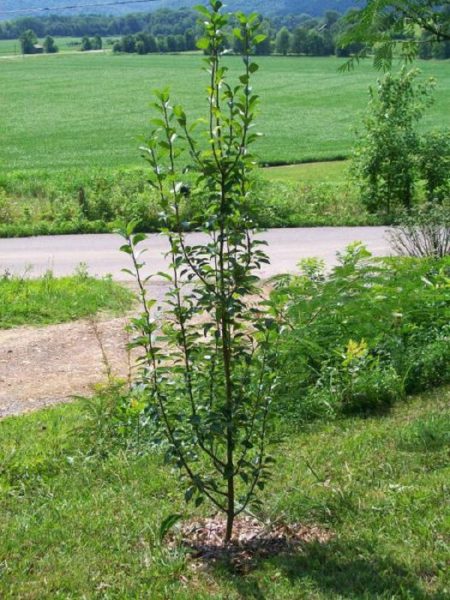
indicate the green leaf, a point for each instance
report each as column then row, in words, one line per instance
column 167, row 525
column 157, row 123
column 139, row 237
column 258, row 39
column 189, row 493
column 238, row 33
column 202, row 9
column 202, row 44
column 128, row 272
column 199, row 501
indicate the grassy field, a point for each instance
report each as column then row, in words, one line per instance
column 78, row 523
column 78, row 110
column 56, row 300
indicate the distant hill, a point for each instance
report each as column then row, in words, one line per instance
column 266, row 7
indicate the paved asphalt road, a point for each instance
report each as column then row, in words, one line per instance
column 101, row 252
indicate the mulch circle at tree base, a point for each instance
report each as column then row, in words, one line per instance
column 252, row 540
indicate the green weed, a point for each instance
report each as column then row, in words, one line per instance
column 82, row 201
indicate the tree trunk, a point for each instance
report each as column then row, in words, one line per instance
column 230, row 511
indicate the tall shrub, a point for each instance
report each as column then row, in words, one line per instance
column 434, row 165
column 385, row 161
column 209, row 374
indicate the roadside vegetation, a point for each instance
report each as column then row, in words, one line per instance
column 82, row 201
column 48, row 299
column 97, row 200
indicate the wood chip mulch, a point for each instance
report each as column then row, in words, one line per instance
column 252, row 540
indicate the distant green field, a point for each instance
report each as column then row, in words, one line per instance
column 334, row 173
column 79, row 110
column 8, row 47
column 65, row 44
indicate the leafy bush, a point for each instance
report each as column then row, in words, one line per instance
column 429, row 364
column 365, row 334
column 279, row 204
column 361, row 382
column 434, row 165
column 115, row 418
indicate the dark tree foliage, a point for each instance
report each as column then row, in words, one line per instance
column 86, row 43
column 283, row 41
column 97, row 43
column 384, row 27
column 27, row 41
column 49, row 45
column 386, row 159
column 162, row 22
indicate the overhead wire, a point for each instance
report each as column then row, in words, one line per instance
column 74, row 6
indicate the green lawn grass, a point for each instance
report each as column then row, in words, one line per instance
column 81, row 525
column 79, row 110
column 56, row 300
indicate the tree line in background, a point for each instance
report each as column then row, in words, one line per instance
column 178, row 31
column 163, row 22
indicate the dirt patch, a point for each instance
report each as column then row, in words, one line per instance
column 252, row 540
column 40, row 366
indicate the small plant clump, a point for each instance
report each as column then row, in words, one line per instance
column 423, row 232
column 209, row 375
